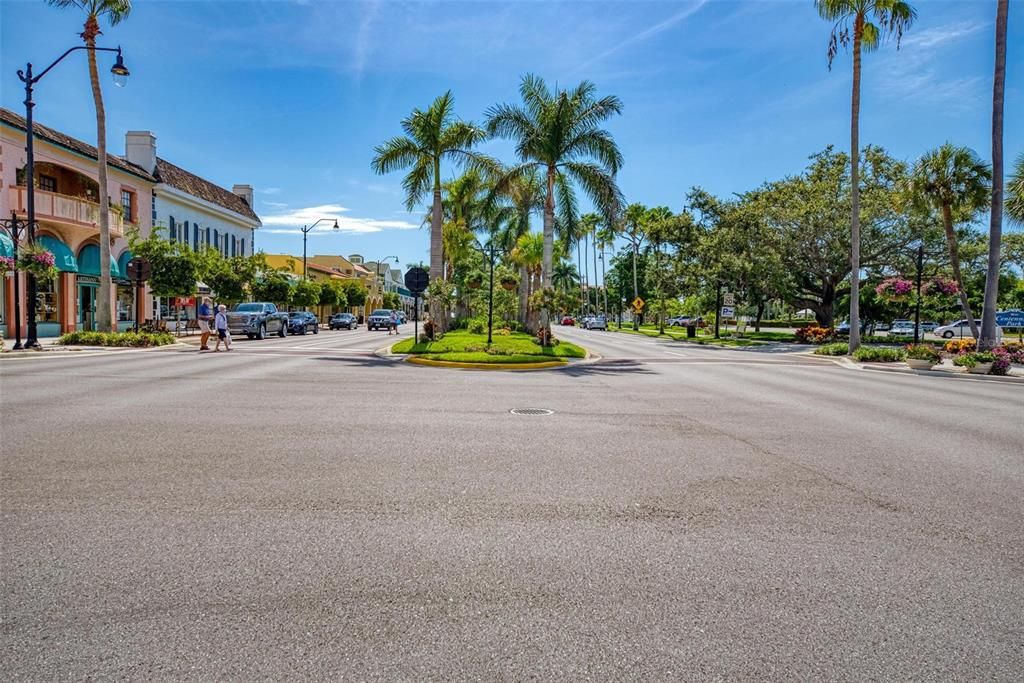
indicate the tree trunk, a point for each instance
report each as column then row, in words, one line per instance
column 760, row 314
column 954, row 261
column 987, row 340
column 586, row 273
column 104, row 319
column 597, row 292
column 636, row 287
column 855, row 190
column 437, row 251
column 524, row 297
column 549, row 243
column 604, row 284
column 579, row 272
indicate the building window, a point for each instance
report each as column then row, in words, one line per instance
column 128, row 204
column 234, row 246
column 172, row 231
column 195, row 234
column 241, row 247
column 207, row 237
column 47, row 301
column 154, row 207
column 47, row 183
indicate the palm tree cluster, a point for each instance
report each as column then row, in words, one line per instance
column 561, row 151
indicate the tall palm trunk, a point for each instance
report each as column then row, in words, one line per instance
column 579, row 261
column 104, row 319
column 597, row 292
column 549, row 243
column 987, row 340
column 586, row 272
column 858, row 31
column 604, row 282
column 437, row 250
column 954, row 261
column 524, row 297
column 636, row 288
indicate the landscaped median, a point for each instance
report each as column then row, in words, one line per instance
column 508, row 351
column 118, row 339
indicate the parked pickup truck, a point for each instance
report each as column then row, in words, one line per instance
column 256, row 320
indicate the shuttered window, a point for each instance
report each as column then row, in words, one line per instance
column 195, row 235
column 241, row 248
column 171, row 230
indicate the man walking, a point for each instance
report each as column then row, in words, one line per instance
column 205, row 316
column 221, row 323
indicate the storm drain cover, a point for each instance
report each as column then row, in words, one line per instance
column 531, row 411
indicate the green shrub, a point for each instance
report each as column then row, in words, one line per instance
column 120, row 339
column 834, row 349
column 923, row 352
column 879, row 354
column 476, row 326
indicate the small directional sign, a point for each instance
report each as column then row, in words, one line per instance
column 728, row 299
column 638, row 304
column 728, row 311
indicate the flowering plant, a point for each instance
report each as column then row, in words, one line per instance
column 941, row 285
column 1001, row 364
column 960, row 345
column 894, row 288
column 6, row 263
column 812, row 334
column 38, row 261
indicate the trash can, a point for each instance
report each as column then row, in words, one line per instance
column 691, row 331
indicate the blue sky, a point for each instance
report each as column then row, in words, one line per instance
column 291, row 97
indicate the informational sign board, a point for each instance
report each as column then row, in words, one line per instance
column 186, row 301
column 1013, row 318
column 728, row 299
column 728, row 311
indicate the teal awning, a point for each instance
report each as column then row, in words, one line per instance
column 6, row 246
column 122, row 263
column 64, row 259
column 89, row 262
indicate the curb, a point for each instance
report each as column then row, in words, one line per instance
column 506, row 367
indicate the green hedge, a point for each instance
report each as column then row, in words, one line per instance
column 123, row 339
column 834, row 349
column 879, row 354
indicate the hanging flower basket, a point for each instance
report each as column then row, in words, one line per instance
column 894, row 289
column 7, row 264
column 38, row 261
column 509, row 283
column 941, row 286
column 475, row 281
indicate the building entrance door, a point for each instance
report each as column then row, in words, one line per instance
column 87, row 307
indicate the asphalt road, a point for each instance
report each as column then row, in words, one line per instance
column 300, row 508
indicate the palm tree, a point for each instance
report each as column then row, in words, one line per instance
column 606, row 238
column 587, row 228
column 988, row 340
column 528, row 254
column 114, row 11
column 524, row 197
column 633, row 228
column 1015, row 192
column 853, row 24
column 956, row 182
column 431, row 136
column 558, row 134
column 565, row 276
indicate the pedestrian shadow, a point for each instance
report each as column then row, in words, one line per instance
column 360, row 361
column 606, row 367
column 760, row 349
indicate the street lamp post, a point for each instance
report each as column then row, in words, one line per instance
column 917, row 304
column 488, row 251
column 305, row 231
column 14, row 227
column 120, row 73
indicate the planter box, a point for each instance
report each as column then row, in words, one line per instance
column 919, row 364
column 980, row 369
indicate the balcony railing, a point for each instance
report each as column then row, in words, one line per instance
column 61, row 208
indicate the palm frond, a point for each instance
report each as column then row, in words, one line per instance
column 418, row 183
column 599, row 186
column 395, row 154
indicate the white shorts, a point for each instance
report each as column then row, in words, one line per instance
column 204, row 326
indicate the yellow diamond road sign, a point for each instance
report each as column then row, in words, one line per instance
column 638, row 303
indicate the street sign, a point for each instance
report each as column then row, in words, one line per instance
column 728, row 299
column 139, row 269
column 1013, row 318
column 416, row 280
column 638, row 304
column 728, row 311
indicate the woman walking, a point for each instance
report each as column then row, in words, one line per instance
column 221, row 323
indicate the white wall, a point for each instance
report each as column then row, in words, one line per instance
column 169, row 206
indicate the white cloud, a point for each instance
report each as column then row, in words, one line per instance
column 270, row 190
column 292, row 222
column 646, row 33
column 933, row 37
column 363, row 45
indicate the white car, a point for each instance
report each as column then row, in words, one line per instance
column 902, row 328
column 961, row 328
column 597, row 322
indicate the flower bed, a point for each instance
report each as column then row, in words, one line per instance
column 833, row 349
column 466, row 347
column 812, row 334
column 879, row 354
column 120, row 339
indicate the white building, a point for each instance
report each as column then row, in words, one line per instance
column 193, row 210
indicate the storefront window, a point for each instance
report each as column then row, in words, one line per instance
column 47, row 302
column 125, row 303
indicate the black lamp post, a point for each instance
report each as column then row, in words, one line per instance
column 15, row 227
column 488, row 252
column 305, row 231
column 120, row 73
column 917, row 304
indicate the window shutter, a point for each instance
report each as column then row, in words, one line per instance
column 195, row 234
column 208, row 236
column 241, row 248
column 184, row 233
column 171, row 236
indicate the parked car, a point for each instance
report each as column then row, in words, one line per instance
column 961, row 328
column 568, row 320
column 927, row 326
column 379, row 319
column 301, row 322
column 257, row 320
column 597, row 322
column 584, row 320
column 843, row 327
column 343, row 321
column 902, row 328
column 882, row 327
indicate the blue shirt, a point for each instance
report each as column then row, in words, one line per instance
column 204, row 312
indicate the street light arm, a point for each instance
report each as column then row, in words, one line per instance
column 308, row 229
column 29, row 79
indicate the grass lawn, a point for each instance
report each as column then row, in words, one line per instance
column 460, row 346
